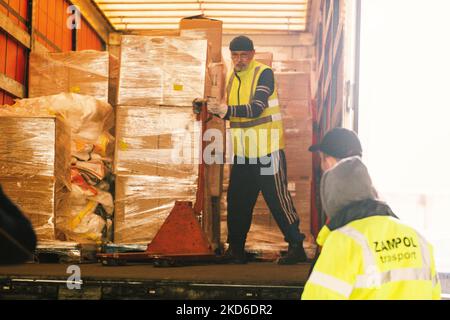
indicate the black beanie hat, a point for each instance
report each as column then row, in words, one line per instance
column 241, row 43
column 339, row 143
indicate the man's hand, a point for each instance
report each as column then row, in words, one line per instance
column 216, row 107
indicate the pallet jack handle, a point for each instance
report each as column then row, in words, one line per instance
column 200, row 109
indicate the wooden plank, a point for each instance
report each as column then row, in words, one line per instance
column 34, row 24
column 40, row 48
column 12, row 86
column 14, row 30
column 115, row 39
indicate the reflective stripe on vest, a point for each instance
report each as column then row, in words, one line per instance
column 256, row 122
column 273, row 103
column 369, row 260
column 330, row 282
column 373, row 278
column 253, row 82
column 404, row 274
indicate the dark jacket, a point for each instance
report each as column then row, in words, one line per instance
column 17, row 237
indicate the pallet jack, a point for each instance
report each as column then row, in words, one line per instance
column 180, row 240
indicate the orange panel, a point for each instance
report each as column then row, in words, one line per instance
column 51, row 9
column 1, row 97
column 88, row 38
column 67, row 33
column 2, row 51
column 11, row 56
column 59, row 17
column 3, row 9
column 42, row 22
column 24, row 13
column 15, row 5
column 20, row 68
column 59, row 36
column 43, row 4
column 51, row 30
column 83, row 36
column 8, row 99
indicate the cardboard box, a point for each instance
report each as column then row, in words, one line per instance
column 34, row 146
column 84, row 72
column 292, row 66
column 44, row 200
column 157, row 140
column 264, row 57
column 293, row 86
column 213, row 32
column 35, row 169
column 144, row 202
column 161, row 70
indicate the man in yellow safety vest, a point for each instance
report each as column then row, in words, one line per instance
column 367, row 252
column 259, row 162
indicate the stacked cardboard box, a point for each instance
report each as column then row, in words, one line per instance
column 292, row 66
column 155, row 163
column 204, row 28
column 212, row 32
column 143, row 203
column 264, row 57
column 161, row 70
column 84, row 72
column 35, row 169
column 89, row 119
column 157, row 142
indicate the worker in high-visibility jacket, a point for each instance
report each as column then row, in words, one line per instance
column 259, row 163
column 367, row 252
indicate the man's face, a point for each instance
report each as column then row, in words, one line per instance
column 241, row 59
column 327, row 162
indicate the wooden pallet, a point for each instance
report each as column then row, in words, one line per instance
column 66, row 252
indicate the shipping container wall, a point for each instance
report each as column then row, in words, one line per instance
column 87, row 38
column 51, row 25
column 13, row 54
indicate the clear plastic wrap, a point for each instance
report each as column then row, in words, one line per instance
column 88, row 120
column 161, row 70
column 144, row 202
column 88, row 117
column 154, row 140
column 84, row 72
column 35, row 146
column 35, row 169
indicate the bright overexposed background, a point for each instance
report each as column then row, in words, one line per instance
column 404, row 119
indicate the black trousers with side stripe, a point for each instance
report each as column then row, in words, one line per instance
column 248, row 178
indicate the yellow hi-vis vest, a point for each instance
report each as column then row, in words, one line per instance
column 373, row 258
column 254, row 137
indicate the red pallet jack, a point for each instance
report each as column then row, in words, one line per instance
column 180, row 240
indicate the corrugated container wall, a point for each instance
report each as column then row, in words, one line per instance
column 13, row 55
column 50, row 30
column 87, row 38
column 51, row 27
